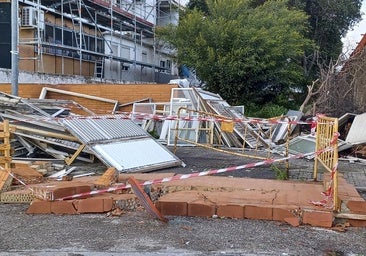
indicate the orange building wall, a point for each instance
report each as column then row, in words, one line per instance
column 123, row 93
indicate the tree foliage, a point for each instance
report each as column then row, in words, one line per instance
column 255, row 52
column 200, row 5
column 329, row 21
column 244, row 53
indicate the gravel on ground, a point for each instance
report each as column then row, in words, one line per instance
column 137, row 233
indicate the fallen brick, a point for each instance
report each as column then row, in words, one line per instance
column 39, row 207
column 98, row 204
column 357, row 223
column 26, row 174
column 56, row 190
column 357, row 206
column 63, row 207
column 318, row 218
column 280, row 213
column 293, row 221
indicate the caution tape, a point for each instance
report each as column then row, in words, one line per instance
column 205, row 173
column 154, row 117
column 193, row 175
column 327, row 202
column 19, row 180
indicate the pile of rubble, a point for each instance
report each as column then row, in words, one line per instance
column 49, row 136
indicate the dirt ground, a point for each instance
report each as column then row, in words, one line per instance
column 137, row 233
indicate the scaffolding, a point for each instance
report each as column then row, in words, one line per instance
column 106, row 39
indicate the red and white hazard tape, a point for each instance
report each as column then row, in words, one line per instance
column 144, row 116
column 205, row 173
column 19, row 180
column 328, row 202
column 199, row 174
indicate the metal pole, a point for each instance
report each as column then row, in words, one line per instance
column 14, row 48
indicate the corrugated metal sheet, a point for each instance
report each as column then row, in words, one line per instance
column 91, row 130
column 121, row 143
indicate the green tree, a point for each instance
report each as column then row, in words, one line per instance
column 246, row 53
column 200, row 5
column 329, row 22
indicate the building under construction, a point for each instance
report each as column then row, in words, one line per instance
column 106, row 39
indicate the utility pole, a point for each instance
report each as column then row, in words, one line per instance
column 14, row 48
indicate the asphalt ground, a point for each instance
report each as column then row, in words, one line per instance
column 137, row 233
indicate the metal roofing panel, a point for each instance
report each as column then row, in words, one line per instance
column 121, row 143
column 91, row 130
column 357, row 132
column 136, row 155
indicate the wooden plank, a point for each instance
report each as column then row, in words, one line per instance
column 4, row 147
column 5, row 135
column 5, row 180
column 5, row 159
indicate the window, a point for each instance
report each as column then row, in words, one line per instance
column 144, row 56
column 49, row 34
column 67, row 38
column 162, row 64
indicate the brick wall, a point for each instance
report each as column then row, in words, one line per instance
column 123, row 93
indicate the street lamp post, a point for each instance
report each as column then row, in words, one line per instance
column 14, row 48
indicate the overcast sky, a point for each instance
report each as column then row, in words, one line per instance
column 354, row 36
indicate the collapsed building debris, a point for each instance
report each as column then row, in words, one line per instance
column 66, row 136
column 123, row 144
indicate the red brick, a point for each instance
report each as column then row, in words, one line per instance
column 55, row 190
column 90, row 205
column 26, row 174
column 201, row 208
column 281, row 213
column 357, row 206
column 63, row 207
column 173, row 208
column 293, row 221
column 39, row 207
column 108, row 204
column 71, row 190
column 357, row 223
column 318, row 218
column 258, row 212
column 176, row 203
column 231, row 211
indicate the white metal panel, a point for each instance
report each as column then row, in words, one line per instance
column 357, row 133
column 136, row 155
